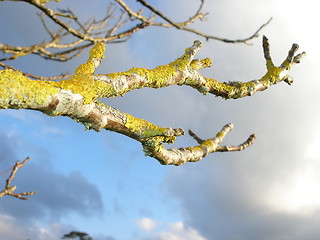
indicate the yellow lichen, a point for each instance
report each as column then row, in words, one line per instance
column 272, row 75
column 96, row 54
column 21, row 91
column 86, row 86
column 148, row 130
column 97, row 51
column 158, row 76
column 143, row 126
column 83, row 83
column 201, row 63
column 85, row 68
column 46, row 1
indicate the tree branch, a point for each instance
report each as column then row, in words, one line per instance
column 77, row 98
column 62, row 47
column 200, row 15
column 154, row 148
column 157, row 12
column 9, row 190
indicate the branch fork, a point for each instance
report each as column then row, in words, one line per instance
column 78, row 98
column 70, row 38
column 9, row 190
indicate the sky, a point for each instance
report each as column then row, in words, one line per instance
column 102, row 184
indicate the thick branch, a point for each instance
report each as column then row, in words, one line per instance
column 77, row 97
column 185, row 71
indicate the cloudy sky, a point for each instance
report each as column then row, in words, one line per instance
column 102, row 184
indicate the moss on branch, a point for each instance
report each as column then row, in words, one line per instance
column 77, row 98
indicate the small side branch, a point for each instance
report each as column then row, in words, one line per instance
column 78, row 98
column 235, row 89
column 157, row 12
column 9, row 190
column 154, row 148
column 185, row 71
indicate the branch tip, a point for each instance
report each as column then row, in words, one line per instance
column 292, row 52
column 298, row 58
column 228, row 127
column 288, row 80
column 240, row 147
column 266, row 48
column 197, row 44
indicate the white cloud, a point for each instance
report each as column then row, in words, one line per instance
column 10, row 229
column 147, row 224
column 297, row 194
column 178, row 231
column 169, row 231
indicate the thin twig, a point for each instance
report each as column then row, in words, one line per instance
column 62, row 76
column 156, row 11
column 10, row 189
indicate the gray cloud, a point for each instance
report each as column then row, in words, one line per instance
column 226, row 196
column 224, row 202
column 57, row 194
column 239, row 196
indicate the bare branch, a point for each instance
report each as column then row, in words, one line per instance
column 53, row 15
column 226, row 40
column 9, row 190
column 195, row 136
column 62, row 48
column 62, row 76
column 240, row 147
column 201, row 16
column 144, row 3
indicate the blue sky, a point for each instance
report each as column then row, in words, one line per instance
column 101, row 183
